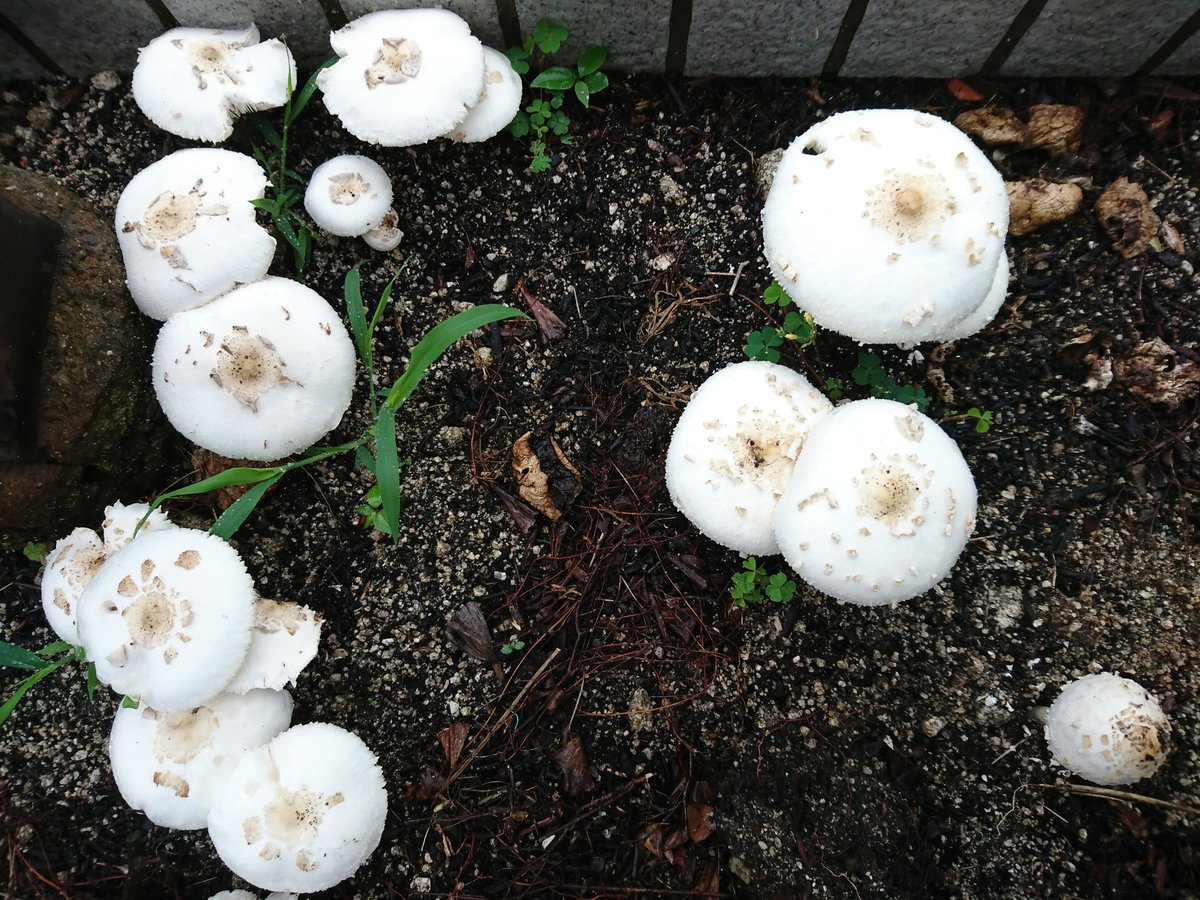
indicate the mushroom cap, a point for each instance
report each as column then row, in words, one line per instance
column 405, row 75
column 348, row 195
column 284, row 641
column 70, row 567
column 302, row 812
column 167, row 618
column 496, row 106
column 986, row 311
column 880, row 505
column 1108, row 730
column 260, row 373
column 193, row 82
column 172, row 766
column 886, row 225
column 386, row 236
column 121, row 520
column 732, row 452
column 187, row 229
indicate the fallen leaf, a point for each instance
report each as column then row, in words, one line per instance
column 1124, row 211
column 453, row 739
column 700, row 821
column 1036, row 202
column 550, row 325
column 522, row 514
column 546, row 480
column 960, row 90
column 1153, row 370
column 709, row 882
column 1158, row 125
column 690, row 566
column 469, row 630
column 993, row 125
column 573, row 761
column 1055, row 127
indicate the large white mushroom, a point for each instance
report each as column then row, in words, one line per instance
column 284, row 641
column 497, row 105
column 348, row 195
column 732, row 453
column 1108, row 730
column 302, row 812
column 260, row 373
column 70, row 568
column 172, row 766
column 887, row 225
column 187, row 229
column 405, row 75
column 193, row 82
column 880, row 505
column 167, row 618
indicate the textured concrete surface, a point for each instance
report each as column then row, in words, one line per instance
column 85, row 37
column 1185, row 60
column 634, row 31
column 16, row 63
column 1093, row 38
column 481, row 14
column 774, row 37
column 935, row 40
column 301, row 22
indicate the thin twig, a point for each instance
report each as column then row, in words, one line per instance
column 1110, row 794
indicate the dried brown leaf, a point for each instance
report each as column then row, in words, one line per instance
column 577, row 775
column 963, row 91
column 550, row 325
column 1037, row 202
column 993, row 125
column 522, row 514
column 1055, row 127
column 546, row 480
column 1153, row 370
column 468, row 628
column 1124, row 211
column 700, row 822
column 453, row 739
column 690, row 566
column 709, row 882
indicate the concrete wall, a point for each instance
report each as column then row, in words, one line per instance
column 750, row 38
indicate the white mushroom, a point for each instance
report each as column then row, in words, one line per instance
column 405, row 75
column 70, row 567
column 880, row 505
column 172, row 766
column 1108, row 730
column 121, row 521
column 193, row 82
column 260, row 373
column 187, row 229
column 732, row 453
column 497, row 105
column 886, row 225
column 385, row 236
column 302, row 812
column 283, row 642
column 348, row 195
column 167, row 618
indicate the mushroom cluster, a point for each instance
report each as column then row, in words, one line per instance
column 888, row 226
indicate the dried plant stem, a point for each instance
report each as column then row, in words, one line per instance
column 1110, row 794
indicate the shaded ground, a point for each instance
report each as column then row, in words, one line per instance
column 650, row 739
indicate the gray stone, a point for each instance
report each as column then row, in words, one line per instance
column 480, row 14
column 773, row 37
column 301, row 23
column 86, row 37
column 1185, row 60
column 1105, row 37
column 16, row 62
column 935, row 40
column 634, row 31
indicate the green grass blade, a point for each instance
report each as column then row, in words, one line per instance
column 439, row 339
column 300, row 98
column 357, row 314
column 56, row 648
column 387, row 470
column 93, row 681
column 237, row 513
column 11, row 703
column 284, row 227
column 14, row 657
column 267, row 129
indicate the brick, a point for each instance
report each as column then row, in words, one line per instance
column 634, row 31
column 84, row 38
column 769, row 38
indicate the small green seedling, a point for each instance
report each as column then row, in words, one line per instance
column 512, row 647
column 870, row 374
column 981, row 418
column 797, row 327
column 545, row 115
column 35, row 551
column 755, row 585
column 834, row 388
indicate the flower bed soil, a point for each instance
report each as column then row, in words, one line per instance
column 649, row 739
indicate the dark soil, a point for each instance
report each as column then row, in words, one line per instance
column 650, row 738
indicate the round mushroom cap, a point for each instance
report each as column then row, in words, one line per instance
column 284, row 641
column 1108, row 730
column 886, row 225
column 732, row 453
column 348, row 195
column 172, row 766
column 496, row 106
column 261, row 373
column 386, row 236
column 187, row 229
column 986, row 311
column 405, row 75
column 193, row 82
column 880, row 505
column 121, row 522
column 70, row 567
column 167, row 618
column 302, row 812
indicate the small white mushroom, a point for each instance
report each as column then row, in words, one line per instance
column 348, row 195
column 187, row 229
column 167, row 618
column 193, row 82
column 172, row 766
column 1107, row 730
column 879, row 507
column 732, row 453
column 260, row 373
column 302, row 812
column 405, row 75
column 497, row 105
column 284, row 641
column 886, row 225
column 70, row 567
column 386, row 236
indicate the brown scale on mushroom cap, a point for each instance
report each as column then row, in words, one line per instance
column 248, row 366
column 909, row 206
column 211, row 58
column 180, row 737
column 346, row 187
column 398, row 60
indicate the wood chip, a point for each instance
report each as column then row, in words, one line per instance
column 1036, row 202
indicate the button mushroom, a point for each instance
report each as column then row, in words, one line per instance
column 348, row 195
